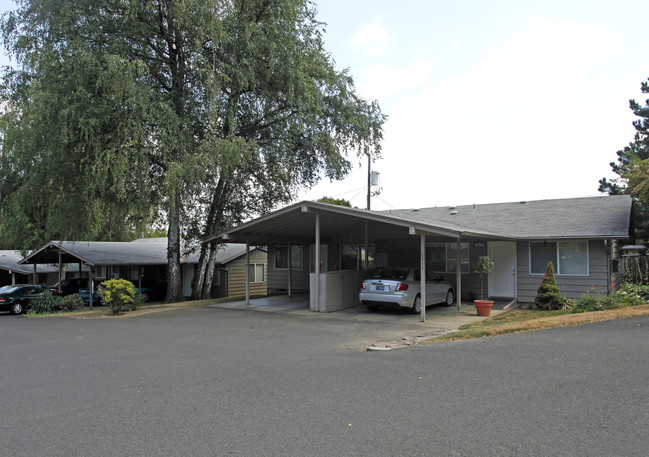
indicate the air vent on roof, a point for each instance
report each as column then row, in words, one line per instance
column 523, row 202
column 453, row 213
column 415, row 209
column 451, row 207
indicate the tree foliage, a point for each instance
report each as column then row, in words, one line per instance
column 335, row 201
column 633, row 168
column 548, row 296
column 202, row 112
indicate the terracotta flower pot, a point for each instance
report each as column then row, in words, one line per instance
column 483, row 307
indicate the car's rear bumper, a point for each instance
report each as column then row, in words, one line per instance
column 395, row 299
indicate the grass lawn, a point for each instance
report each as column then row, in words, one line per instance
column 519, row 320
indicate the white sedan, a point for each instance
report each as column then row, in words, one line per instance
column 401, row 288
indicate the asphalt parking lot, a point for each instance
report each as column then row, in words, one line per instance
column 215, row 381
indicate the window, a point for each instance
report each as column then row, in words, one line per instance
column 567, row 257
column 281, row 257
column 352, row 256
column 256, row 272
column 442, row 257
column 349, row 257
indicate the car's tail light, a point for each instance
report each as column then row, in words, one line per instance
column 401, row 286
column 362, row 286
column 2, row 299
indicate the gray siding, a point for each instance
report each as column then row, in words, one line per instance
column 570, row 286
column 278, row 278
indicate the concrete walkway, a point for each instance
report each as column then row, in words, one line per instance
column 439, row 319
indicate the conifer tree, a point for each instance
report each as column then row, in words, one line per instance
column 548, row 296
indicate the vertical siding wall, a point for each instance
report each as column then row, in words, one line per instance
column 570, row 286
column 237, row 275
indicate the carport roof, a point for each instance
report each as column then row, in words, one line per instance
column 152, row 251
column 145, row 251
column 9, row 261
column 577, row 218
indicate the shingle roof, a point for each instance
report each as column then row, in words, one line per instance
column 587, row 217
column 146, row 251
column 9, row 261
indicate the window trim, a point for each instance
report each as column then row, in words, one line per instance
column 463, row 264
column 290, row 257
column 557, row 268
column 254, row 269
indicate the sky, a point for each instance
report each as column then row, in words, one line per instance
column 487, row 102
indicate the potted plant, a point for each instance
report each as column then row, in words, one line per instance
column 484, row 266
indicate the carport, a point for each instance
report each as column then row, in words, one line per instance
column 90, row 255
column 317, row 224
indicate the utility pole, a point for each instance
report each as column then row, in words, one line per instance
column 369, row 184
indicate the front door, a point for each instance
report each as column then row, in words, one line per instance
column 502, row 280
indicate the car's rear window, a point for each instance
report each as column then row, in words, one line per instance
column 8, row 289
column 391, row 273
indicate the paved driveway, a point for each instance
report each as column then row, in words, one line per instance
column 211, row 381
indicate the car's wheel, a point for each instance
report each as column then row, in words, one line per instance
column 416, row 306
column 17, row 308
column 450, row 298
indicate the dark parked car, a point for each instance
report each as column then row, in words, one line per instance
column 69, row 286
column 17, row 298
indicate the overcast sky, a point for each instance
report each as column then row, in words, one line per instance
column 488, row 101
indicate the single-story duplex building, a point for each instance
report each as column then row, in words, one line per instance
column 581, row 236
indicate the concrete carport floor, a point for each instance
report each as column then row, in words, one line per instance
column 439, row 319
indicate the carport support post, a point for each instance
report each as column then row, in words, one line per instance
column 422, row 268
column 90, row 288
column 458, row 274
column 34, row 276
column 60, row 272
column 367, row 257
column 290, row 270
column 317, row 262
column 247, row 273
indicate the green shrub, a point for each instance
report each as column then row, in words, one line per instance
column 70, row 302
column 118, row 294
column 548, row 296
column 50, row 303
column 627, row 295
column 46, row 303
column 640, row 290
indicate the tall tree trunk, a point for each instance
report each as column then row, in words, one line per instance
column 199, row 275
column 209, row 273
column 202, row 283
column 174, row 273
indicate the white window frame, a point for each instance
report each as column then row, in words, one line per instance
column 557, row 267
column 252, row 271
